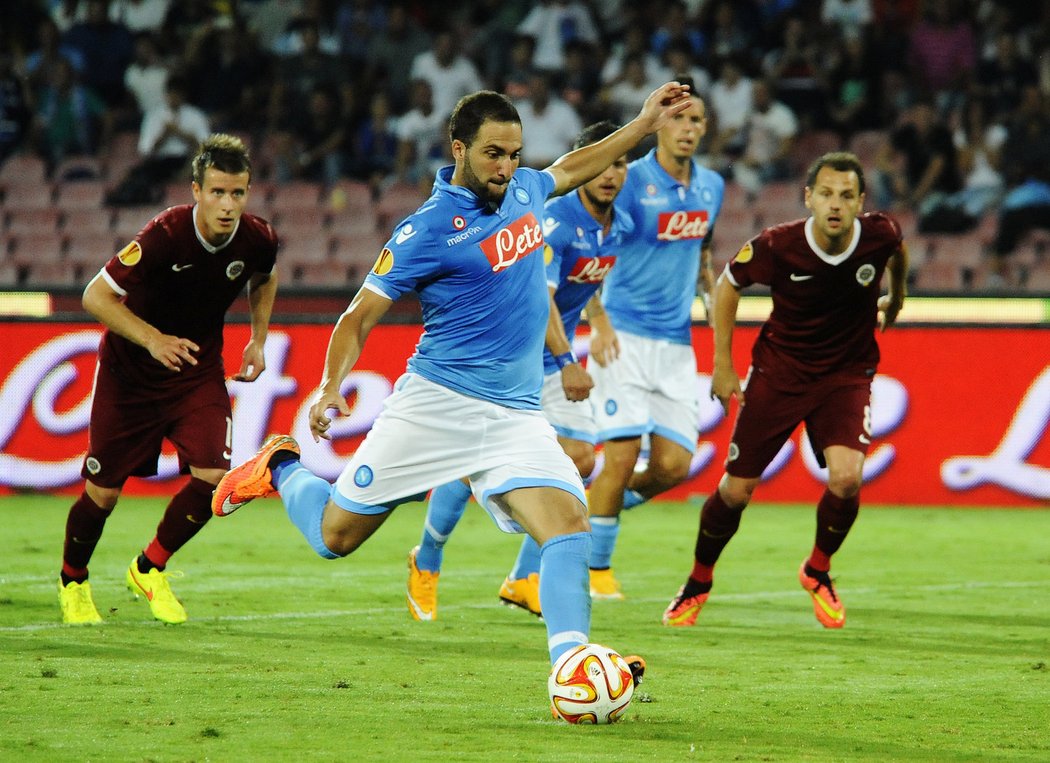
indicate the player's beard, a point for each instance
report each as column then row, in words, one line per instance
column 480, row 187
column 600, row 206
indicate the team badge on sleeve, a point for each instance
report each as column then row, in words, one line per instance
column 548, row 254
column 384, row 262
column 745, row 254
column 130, row 254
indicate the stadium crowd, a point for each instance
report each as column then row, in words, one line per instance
column 344, row 102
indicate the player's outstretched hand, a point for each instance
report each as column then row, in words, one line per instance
column 889, row 308
column 325, row 401
column 576, row 382
column 724, row 384
column 173, row 352
column 253, row 363
column 663, row 104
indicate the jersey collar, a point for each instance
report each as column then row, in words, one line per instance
column 203, row 242
column 829, row 258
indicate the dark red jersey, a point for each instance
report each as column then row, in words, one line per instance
column 182, row 286
column 824, row 306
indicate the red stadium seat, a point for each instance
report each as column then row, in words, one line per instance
column 10, row 274
column 22, row 171
column 76, row 221
column 866, row 144
column 128, row 221
column 77, row 168
column 30, row 196
column 780, row 201
column 939, row 275
column 37, row 247
column 351, row 196
column 92, row 250
column 30, row 221
column 811, row 145
column 397, row 202
column 80, row 194
column 297, row 194
column 359, row 251
column 301, row 220
column 306, row 248
column 47, row 274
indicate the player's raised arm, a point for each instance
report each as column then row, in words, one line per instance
column 105, row 304
column 344, row 348
column 577, row 167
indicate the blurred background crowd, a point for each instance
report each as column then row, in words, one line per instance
column 344, row 103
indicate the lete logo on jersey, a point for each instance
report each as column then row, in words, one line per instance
column 512, row 243
column 683, row 224
column 591, row 269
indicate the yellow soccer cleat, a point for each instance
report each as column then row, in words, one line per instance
column 78, row 608
column 251, row 479
column 827, row 606
column 155, row 587
column 604, row 585
column 523, row 592
column 422, row 594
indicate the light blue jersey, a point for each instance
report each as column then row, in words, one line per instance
column 579, row 256
column 484, row 300
column 650, row 292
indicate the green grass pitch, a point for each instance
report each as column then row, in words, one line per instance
column 945, row 656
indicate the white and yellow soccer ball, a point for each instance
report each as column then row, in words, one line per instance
column 590, row 683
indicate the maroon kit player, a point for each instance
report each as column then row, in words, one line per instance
column 813, row 362
column 163, row 300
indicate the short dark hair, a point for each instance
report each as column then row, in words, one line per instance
column 226, row 153
column 595, row 132
column 475, row 109
column 840, row 161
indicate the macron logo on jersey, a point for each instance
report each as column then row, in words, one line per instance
column 683, row 224
column 515, row 242
column 591, row 269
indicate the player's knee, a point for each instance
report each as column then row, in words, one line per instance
column 584, row 460
column 211, row 476
column 736, row 492
column 844, row 484
column 104, row 497
column 669, row 470
column 341, row 542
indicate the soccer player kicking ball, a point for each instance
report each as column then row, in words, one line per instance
column 581, row 235
column 160, row 375
column 469, row 404
column 813, row 362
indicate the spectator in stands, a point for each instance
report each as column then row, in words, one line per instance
column 49, row 48
column 520, row 70
column 847, row 18
column 1002, row 78
column 795, row 65
column 554, row 24
column 298, row 75
column 402, row 40
column 1026, row 169
column 771, row 130
column 942, row 54
column 450, row 73
column 169, row 136
column 422, row 139
column 107, row 49
column 15, row 100
column 315, row 147
column 375, row 145
column 70, row 118
column 139, row 15
column 635, row 43
column 918, row 165
column 146, row 78
column 66, row 13
column 230, row 77
column 678, row 58
column 495, row 24
column 548, row 124
column 626, row 96
column 853, row 87
column 675, row 26
column 730, row 103
column 579, row 82
column 727, row 37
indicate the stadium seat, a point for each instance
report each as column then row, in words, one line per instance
column 297, row 194
column 866, row 144
column 396, row 202
column 347, row 222
column 306, row 248
column 735, row 198
column 22, row 171
column 19, row 196
column 780, row 201
column 38, row 247
column 359, row 251
column 77, row 168
column 80, row 194
column 176, row 193
column 10, row 274
column 939, row 276
column 332, row 273
column 53, row 274
column 30, row 221
column 732, row 228
column 92, row 250
column 75, row 221
column 809, row 146
column 295, row 222
column 128, row 221
column 351, row 196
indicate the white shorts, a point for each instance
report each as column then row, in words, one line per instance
column 574, row 420
column 650, row 389
column 427, row 435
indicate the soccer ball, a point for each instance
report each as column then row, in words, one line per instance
column 590, row 683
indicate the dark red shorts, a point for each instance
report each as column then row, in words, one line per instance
column 129, row 424
column 835, row 410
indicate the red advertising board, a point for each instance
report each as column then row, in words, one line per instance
column 960, row 415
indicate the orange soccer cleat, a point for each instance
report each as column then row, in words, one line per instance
column 827, row 606
column 250, row 480
column 683, row 610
